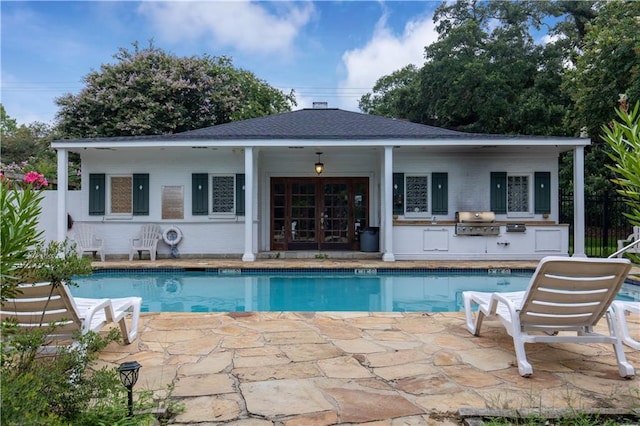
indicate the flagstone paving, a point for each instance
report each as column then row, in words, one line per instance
column 272, row 368
column 378, row 369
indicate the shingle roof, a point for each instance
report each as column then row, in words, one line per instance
column 321, row 123
column 315, row 124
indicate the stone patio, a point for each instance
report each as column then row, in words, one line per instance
column 327, row 368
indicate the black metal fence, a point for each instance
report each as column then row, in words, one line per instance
column 605, row 222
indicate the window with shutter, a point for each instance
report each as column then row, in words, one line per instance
column 498, row 192
column 398, row 193
column 439, row 193
column 97, row 193
column 140, row 192
column 542, row 192
column 199, row 194
column 240, row 194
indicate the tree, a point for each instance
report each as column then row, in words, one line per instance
column 484, row 74
column 395, row 95
column 149, row 92
column 8, row 125
column 623, row 137
column 608, row 66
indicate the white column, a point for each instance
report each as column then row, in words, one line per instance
column 387, row 205
column 249, row 255
column 61, row 222
column 578, row 202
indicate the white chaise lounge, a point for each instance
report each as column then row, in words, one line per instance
column 44, row 305
column 564, row 295
column 623, row 309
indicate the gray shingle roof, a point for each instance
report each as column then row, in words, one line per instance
column 326, row 123
column 316, row 124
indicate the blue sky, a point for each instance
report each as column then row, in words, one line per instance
column 330, row 51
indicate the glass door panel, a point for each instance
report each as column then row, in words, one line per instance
column 335, row 215
column 318, row 213
column 278, row 216
column 303, row 216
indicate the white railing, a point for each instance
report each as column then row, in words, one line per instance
column 625, row 248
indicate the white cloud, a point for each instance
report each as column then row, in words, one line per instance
column 242, row 25
column 382, row 55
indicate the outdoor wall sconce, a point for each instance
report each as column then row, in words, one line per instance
column 319, row 165
column 129, row 376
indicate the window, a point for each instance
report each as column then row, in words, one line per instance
column 518, row 194
column 217, row 194
column 413, row 192
column 118, row 195
column 222, row 194
column 120, row 198
column 417, row 194
column 514, row 195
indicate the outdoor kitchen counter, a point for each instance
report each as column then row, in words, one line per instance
column 409, row 222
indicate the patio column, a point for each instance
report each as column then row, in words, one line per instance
column 249, row 255
column 63, row 173
column 387, row 205
column 578, row 202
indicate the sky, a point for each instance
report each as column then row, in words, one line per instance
column 327, row 51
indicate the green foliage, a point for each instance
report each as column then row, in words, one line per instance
column 8, row 125
column 151, row 92
column 394, row 95
column 55, row 262
column 38, row 389
column 609, row 65
column 484, row 74
column 19, row 234
column 623, row 137
column 28, row 148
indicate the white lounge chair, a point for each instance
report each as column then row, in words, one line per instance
column 564, row 295
column 44, row 305
column 635, row 236
column 87, row 240
column 622, row 309
column 147, row 240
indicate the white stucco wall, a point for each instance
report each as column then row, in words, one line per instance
column 468, row 183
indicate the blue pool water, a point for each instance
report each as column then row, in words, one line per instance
column 364, row 290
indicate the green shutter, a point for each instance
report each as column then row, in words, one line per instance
column 398, row 193
column 498, row 192
column 439, row 193
column 141, row 194
column 542, row 192
column 97, row 194
column 199, row 194
column 240, row 194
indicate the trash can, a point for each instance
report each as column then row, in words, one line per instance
column 370, row 239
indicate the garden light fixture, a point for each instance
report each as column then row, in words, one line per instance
column 129, row 376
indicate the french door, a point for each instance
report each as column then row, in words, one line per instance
column 318, row 213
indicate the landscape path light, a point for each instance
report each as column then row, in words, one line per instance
column 129, row 376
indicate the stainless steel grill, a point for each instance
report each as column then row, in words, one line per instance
column 476, row 223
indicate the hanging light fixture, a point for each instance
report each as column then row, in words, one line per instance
column 319, row 165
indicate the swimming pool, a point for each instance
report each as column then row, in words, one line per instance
column 362, row 290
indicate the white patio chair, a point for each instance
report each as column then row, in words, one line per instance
column 147, row 240
column 44, row 305
column 564, row 295
column 635, row 236
column 622, row 309
column 87, row 240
